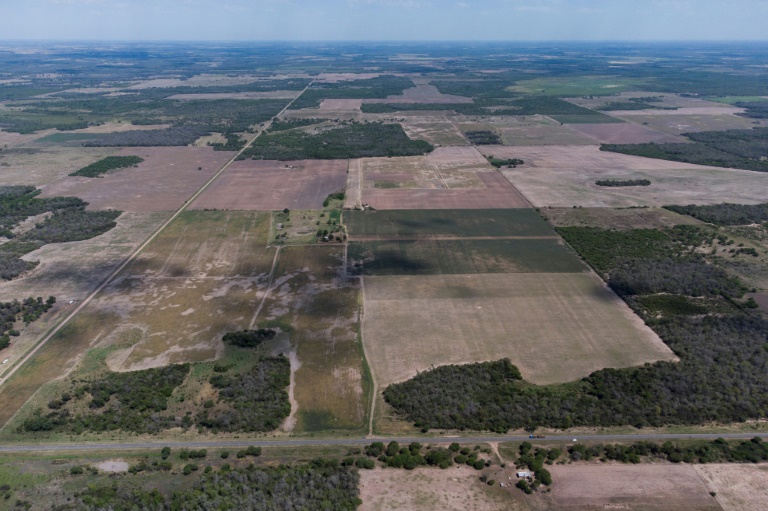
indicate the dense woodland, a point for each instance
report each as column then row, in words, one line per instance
column 67, row 220
column 725, row 214
column 27, row 311
column 741, row 149
column 103, row 166
column 348, row 140
column 320, row 485
column 249, row 338
column 723, row 357
column 483, row 137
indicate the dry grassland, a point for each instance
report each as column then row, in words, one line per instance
column 266, row 185
column 621, row 219
column 432, row 489
column 9, row 139
column 675, row 122
column 310, row 293
column 738, row 487
column 41, row 166
column 162, row 182
column 331, row 106
column 564, row 176
column 624, row 133
column 435, row 130
column 650, row 487
column 554, row 327
column 544, row 135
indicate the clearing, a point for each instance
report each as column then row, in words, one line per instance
column 738, row 487
column 267, row 185
column 554, row 327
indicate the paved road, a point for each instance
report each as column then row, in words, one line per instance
column 296, row 442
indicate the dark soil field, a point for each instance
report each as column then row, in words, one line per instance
column 446, row 222
column 497, row 194
column 437, row 257
column 163, row 181
column 266, row 185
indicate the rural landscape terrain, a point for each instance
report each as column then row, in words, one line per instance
column 383, row 277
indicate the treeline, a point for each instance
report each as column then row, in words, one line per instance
column 625, row 182
column 103, row 166
column 233, row 143
column 28, row 310
column 68, row 221
column 289, row 124
column 249, row 338
column 715, row 451
column 742, row 149
column 725, row 214
column 317, row 485
column 256, row 400
column 483, row 137
column 510, row 163
column 131, row 401
column 173, row 136
column 754, row 109
column 349, row 140
column 369, row 88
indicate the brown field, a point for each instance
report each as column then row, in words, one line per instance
column 621, row 219
column 435, row 130
column 265, row 185
column 554, row 327
column 163, row 181
column 432, row 489
column 625, row 133
column 40, row 166
column 544, row 135
column 330, row 106
column 446, row 159
column 310, row 293
column 9, row 139
column 674, row 123
column 650, row 487
column 422, row 93
column 498, row 193
column 738, row 487
column 564, row 176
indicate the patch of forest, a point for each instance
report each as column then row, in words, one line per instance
column 754, row 109
column 725, row 214
column 348, row 140
column 256, row 400
column 741, row 149
column 367, row 88
column 623, row 182
column 289, row 124
column 510, row 163
column 483, row 137
column 28, row 310
column 317, row 485
column 103, row 166
column 724, row 350
column 249, row 338
column 68, row 221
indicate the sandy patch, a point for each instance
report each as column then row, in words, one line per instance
column 113, row 466
column 738, row 487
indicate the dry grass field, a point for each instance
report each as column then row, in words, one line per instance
column 621, row 219
column 675, row 122
column 310, row 293
column 432, row 489
column 166, row 178
column 554, row 327
column 266, row 185
column 651, row 487
column 39, row 166
column 438, row 131
column 545, row 135
column 738, row 487
column 564, row 176
column 625, row 133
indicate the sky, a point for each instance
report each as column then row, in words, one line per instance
column 384, row 20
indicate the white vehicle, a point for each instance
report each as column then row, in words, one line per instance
column 575, row 440
column 6, row 360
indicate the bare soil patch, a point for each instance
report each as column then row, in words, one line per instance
column 9, row 139
column 554, row 327
column 738, row 487
column 328, row 106
column 113, row 466
column 163, row 181
column 624, row 133
column 564, row 176
column 657, row 487
column 431, row 489
column 265, row 185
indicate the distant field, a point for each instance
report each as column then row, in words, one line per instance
column 675, row 123
column 564, row 176
column 436, row 131
column 446, row 222
column 627, row 133
column 546, row 135
column 39, row 166
column 554, row 327
column 575, row 86
column 435, row 257
column 614, row 218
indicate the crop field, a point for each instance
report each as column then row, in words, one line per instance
column 613, row 218
column 626, row 133
column 575, row 86
column 310, row 294
column 264, row 185
column 738, row 487
column 673, row 122
column 554, row 327
column 564, row 176
column 429, row 489
column 436, row 257
column 650, row 487
column 162, row 182
column 39, row 166
column 446, row 223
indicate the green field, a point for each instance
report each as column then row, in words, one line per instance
column 437, row 257
column 446, row 222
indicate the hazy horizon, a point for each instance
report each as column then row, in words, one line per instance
column 385, row 21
